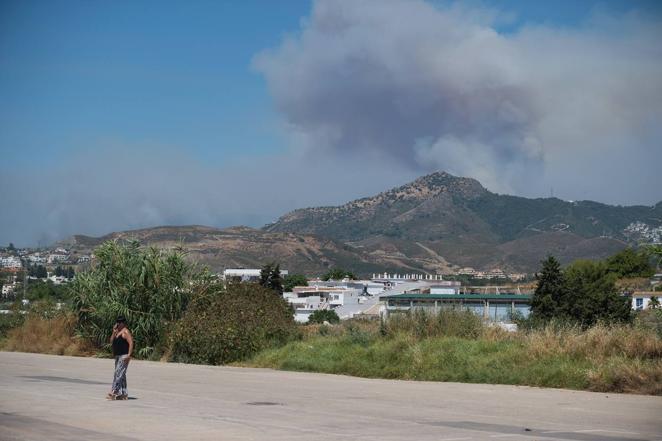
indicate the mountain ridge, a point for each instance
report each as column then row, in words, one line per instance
column 459, row 219
column 437, row 223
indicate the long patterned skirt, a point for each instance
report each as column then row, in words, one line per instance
column 119, row 380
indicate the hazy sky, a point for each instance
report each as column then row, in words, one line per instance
column 126, row 114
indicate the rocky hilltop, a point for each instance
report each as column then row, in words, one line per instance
column 464, row 224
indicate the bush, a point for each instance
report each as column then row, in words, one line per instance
column 338, row 274
column 292, row 280
column 150, row 287
column 324, row 315
column 10, row 321
column 40, row 290
column 651, row 320
column 230, row 324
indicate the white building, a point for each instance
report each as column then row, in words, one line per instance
column 57, row 280
column 11, row 262
column 368, row 287
column 445, row 287
column 55, row 258
column 36, row 258
column 247, row 274
column 468, row 271
column 642, row 300
column 308, row 299
column 8, row 290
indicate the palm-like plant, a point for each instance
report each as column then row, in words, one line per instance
column 150, row 287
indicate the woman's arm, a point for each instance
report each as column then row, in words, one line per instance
column 114, row 334
column 129, row 339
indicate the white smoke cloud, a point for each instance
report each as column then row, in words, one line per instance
column 432, row 88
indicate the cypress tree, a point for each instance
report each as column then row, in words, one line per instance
column 551, row 291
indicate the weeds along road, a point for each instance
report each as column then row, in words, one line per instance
column 62, row 398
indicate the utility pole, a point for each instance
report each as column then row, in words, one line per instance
column 25, row 282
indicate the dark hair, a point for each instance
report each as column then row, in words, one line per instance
column 121, row 319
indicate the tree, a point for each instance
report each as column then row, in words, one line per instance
column 592, row 295
column 655, row 251
column 324, row 315
column 654, row 303
column 630, row 263
column 38, row 271
column 270, row 277
column 292, row 280
column 551, row 291
column 338, row 274
column 40, row 290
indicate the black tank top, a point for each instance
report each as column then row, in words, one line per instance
column 120, row 346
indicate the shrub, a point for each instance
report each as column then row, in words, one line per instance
column 324, row 315
column 11, row 320
column 150, row 287
column 230, row 324
column 338, row 274
column 292, row 280
column 651, row 320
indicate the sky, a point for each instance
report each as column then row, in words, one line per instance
column 129, row 114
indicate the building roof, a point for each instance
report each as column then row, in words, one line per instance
column 457, row 297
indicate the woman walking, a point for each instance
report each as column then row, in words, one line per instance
column 122, row 343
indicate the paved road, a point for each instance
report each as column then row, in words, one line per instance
column 62, row 398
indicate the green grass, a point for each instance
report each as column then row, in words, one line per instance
column 432, row 359
column 606, row 359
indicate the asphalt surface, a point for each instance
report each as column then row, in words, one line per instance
column 62, row 398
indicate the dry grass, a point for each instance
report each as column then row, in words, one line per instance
column 629, row 376
column 597, row 343
column 47, row 336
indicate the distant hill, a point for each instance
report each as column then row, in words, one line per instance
column 245, row 247
column 457, row 220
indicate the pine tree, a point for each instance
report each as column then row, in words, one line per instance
column 550, row 292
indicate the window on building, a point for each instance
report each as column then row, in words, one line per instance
column 639, row 302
